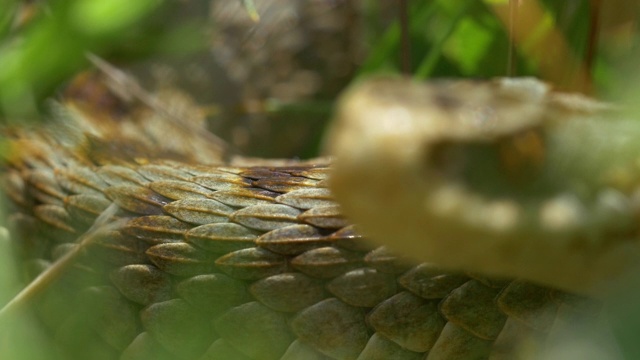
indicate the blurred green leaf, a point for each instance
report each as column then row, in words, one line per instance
column 383, row 56
column 51, row 47
column 250, row 6
column 102, row 17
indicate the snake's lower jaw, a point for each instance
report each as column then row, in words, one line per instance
column 402, row 216
column 384, row 182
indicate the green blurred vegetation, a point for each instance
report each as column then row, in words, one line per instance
column 466, row 38
column 44, row 43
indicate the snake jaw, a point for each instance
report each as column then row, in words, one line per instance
column 470, row 208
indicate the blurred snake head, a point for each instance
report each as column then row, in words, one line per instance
column 502, row 177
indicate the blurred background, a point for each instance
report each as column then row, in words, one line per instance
column 266, row 73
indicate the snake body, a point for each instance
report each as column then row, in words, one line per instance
column 257, row 261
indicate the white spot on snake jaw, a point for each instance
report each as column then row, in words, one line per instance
column 503, row 216
column 561, row 214
column 451, row 201
column 447, row 201
column 396, row 119
column 612, row 211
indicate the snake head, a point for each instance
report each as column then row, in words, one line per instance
column 501, row 177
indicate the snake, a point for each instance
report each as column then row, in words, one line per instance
column 452, row 220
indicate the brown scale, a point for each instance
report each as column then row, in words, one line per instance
column 264, row 282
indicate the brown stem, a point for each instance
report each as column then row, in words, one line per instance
column 511, row 58
column 594, row 30
column 404, row 35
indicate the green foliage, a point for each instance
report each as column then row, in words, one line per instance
column 466, row 38
column 447, row 39
column 37, row 54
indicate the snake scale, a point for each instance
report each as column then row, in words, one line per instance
column 195, row 259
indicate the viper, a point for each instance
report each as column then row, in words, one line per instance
column 452, row 220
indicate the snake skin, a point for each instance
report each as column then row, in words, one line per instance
column 244, row 262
